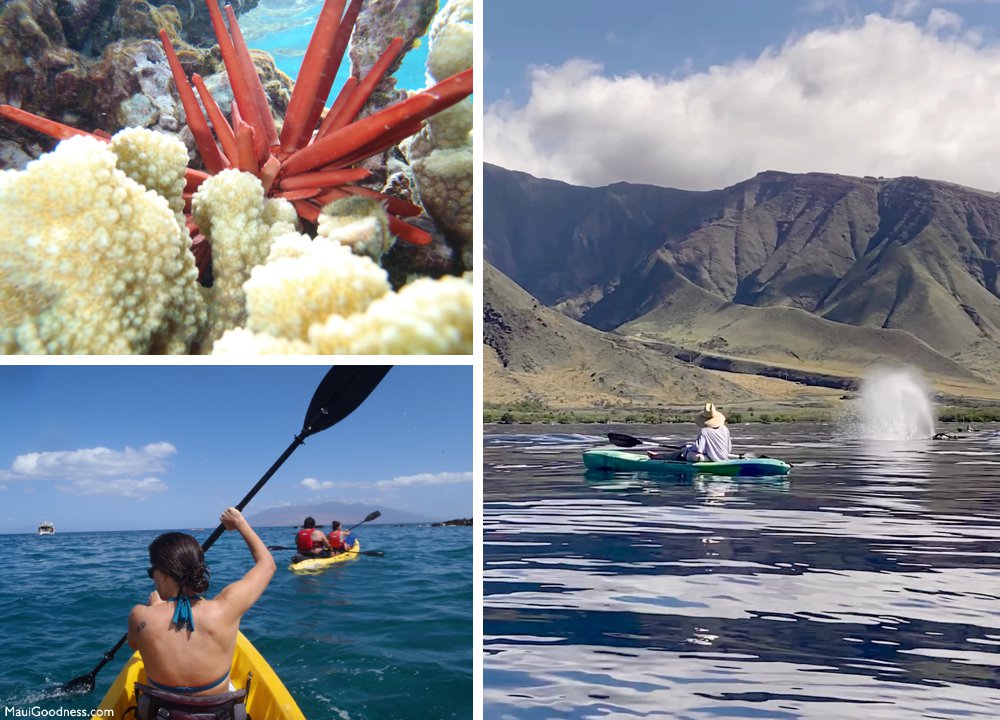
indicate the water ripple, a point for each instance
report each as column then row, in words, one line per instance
column 862, row 583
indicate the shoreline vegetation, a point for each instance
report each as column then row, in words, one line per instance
column 536, row 412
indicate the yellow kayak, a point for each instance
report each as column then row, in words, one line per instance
column 314, row 565
column 268, row 698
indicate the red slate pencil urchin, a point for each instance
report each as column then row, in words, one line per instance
column 310, row 167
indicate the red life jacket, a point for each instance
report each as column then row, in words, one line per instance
column 304, row 542
column 337, row 540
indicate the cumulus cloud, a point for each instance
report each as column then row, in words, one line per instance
column 96, row 471
column 885, row 96
column 90, row 462
column 314, row 484
column 441, row 478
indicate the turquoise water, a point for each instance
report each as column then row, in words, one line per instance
column 865, row 584
column 379, row 637
column 283, row 29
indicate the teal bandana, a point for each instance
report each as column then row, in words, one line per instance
column 182, row 613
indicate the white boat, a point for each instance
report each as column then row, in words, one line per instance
column 46, row 528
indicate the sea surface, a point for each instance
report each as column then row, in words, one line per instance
column 377, row 637
column 865, row 584
column 283, row 29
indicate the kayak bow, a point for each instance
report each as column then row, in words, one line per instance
column 313, row 565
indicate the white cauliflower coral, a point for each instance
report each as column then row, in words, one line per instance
column 316, row 296
column 232, row 212
column 91, row 261
column 155, row 161
column 246, row 342
column 425, row 317
column 300, row 285
column 450, row 36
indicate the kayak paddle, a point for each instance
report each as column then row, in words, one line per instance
column 340, row 392
column 627, row 441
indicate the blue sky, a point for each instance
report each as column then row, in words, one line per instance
column 152, row 447
column 704, row 94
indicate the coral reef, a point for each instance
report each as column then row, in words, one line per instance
column 91, row 261
column 341, row 174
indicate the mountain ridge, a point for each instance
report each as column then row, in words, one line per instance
column 819, row 271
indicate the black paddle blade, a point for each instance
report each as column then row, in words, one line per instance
column 340, row 393
column 374, row 516
column 79, row 685
column 372, row 553
column 623, row 440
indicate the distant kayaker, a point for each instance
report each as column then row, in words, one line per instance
column 187, row 641
column 338, row 538
column 713, row 442
column 311, row 542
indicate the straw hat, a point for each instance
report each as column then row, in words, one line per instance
column 710, row 417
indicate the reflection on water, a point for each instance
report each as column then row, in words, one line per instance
column 865, row 582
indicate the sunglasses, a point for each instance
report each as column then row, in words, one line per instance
column 149, row 571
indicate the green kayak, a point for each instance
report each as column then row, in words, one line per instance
column 622, row 461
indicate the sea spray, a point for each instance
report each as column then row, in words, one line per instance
column 895, row 405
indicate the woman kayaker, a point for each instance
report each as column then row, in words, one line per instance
column 187, row 641
column 713, row 442
column 338, row 538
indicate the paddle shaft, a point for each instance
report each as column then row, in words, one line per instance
column 340, row 393
column 628, row 441
column 217, row 533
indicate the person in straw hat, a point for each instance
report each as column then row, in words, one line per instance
column 713, row 442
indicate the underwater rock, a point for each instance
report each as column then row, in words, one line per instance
column 197, row 23
column 378, row 23
column 359, row 223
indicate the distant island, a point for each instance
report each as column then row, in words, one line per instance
column 461, row 521
column 324, row 512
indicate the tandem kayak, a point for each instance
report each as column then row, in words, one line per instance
column 267, row 700
column 318, row 564
column 622, row 461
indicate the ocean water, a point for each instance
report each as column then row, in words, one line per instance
column 283, row 29
column 378, row 637
column 865, row 584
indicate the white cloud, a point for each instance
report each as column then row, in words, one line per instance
column 442, row 478
column 118, row 487
column 881, row 97
column 314, row 484
column 96, row 471
column 90, row 463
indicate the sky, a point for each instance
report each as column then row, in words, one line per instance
column 702, row 95
column 155, row 447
